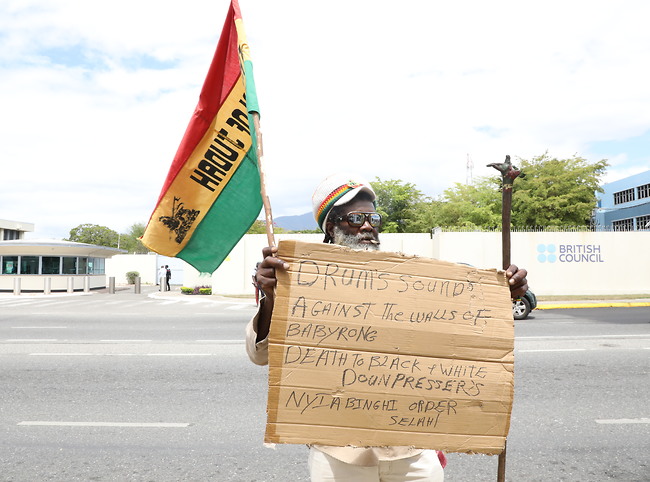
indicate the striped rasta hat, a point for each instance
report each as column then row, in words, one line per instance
column 335, row 190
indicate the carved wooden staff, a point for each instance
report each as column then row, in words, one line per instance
column 508, row 175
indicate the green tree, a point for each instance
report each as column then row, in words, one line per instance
column 556, row 192
column 474, row 205
column 130, row 240
column 399, row 203
column 94, row 234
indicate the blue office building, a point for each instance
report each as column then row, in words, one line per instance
column 624, row 205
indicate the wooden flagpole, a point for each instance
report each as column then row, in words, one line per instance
column 268, row 215
column 508, row 175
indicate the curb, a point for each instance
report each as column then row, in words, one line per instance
column 168, row 295
column 595, row 304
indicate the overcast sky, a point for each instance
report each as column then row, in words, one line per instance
column 95, row 96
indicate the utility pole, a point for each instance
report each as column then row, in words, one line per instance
column 469, row 177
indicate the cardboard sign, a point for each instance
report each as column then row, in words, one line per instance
column 380, row 349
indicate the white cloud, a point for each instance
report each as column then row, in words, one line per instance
column 96, row 97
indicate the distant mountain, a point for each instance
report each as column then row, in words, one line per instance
column 297, row 222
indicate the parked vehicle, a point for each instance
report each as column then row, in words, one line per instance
column 521, row 307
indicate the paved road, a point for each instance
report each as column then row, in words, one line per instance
column 581, row 392
column 128, row 387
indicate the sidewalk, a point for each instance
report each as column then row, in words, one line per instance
column 175, row 293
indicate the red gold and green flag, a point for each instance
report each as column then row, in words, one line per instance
column 211, row 195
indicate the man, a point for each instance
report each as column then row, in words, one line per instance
column 344, row 208
column 162, row 276
column 168, row 276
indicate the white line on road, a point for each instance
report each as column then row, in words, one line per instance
column 14, row 340
column 582, row 337
column 121, row 354
column 39, row 327
column 61, row 354
column 551, row 349
column 51, row 303
column 104, row 424
column 125, row 341
column 222, row 342
column 617, row 421
column 179, row 354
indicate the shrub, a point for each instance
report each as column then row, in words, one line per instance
column 131, row 276
column 197, row 290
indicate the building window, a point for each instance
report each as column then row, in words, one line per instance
column 623, row 225
column 643, row 222
column 10, row 234
column 29, row 265
column 96, row 265
column 51, row 265
column 624, row 196
column 643, row 191
column 69, row 265
column 10, row 265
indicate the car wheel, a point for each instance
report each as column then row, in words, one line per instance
column 520, row 309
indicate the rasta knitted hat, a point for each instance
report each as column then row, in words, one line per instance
column 336, row 190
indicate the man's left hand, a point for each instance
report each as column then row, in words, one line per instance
column 517, row 281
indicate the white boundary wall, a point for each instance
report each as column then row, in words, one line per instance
column 148, row 265
column 559, row 263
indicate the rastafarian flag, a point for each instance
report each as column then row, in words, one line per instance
column 211, row 195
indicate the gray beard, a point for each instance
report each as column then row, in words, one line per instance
column 353, row 241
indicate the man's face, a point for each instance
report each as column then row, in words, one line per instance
column 355, row 237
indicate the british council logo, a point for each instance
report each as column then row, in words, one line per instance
column 546, row 253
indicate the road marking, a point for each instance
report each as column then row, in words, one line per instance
column 552, row 349
column 121, row 354
column 222, row 342
column 617, row 421
column 179, row 354
column 582, row 337
column 61, row 354
column 104, row 424
column 39, row 327
column 125, row 341
column 604, row 304
column 13, row 340
column 51, row 303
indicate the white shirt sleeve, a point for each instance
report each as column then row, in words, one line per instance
column 258, row 352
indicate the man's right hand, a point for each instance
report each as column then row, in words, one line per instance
column 265, row 274
column 266, row 281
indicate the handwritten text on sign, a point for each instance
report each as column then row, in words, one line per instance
column 377, row 349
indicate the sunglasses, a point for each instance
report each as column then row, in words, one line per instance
column 357, row 219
